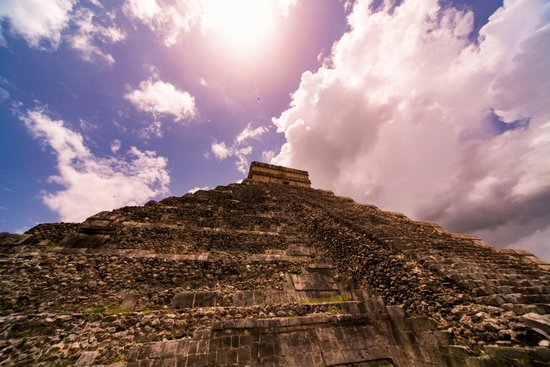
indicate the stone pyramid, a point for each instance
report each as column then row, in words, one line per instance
column 269, row 272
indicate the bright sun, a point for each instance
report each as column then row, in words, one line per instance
column 244, row 23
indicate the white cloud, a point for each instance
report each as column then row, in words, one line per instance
column 88, row 33
column 87, row 125
column 145, row 10
column 402, row 117
column 242, row 155
column 46, row 23
column 239, row 149
column 195, row 189
column 220, row 150
column 250, row 133
column 39, row 22
column 115, row 146
column 161, row 98
column 268, row 155
column 169, row 18
column 154, row 129
column 113, row 182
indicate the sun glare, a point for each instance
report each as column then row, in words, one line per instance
column 243, row 23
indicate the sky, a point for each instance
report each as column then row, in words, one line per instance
column 436, row 109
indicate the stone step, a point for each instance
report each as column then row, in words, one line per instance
column 514, row 298
column 253, row 298
column 489, row 290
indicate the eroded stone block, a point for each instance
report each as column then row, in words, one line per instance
column 194, row 299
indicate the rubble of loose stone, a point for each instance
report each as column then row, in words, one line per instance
column 24, row 338
column 52, row 233
column 51, row 280
column 416, row 281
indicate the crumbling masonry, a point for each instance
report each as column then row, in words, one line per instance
column 269, row 272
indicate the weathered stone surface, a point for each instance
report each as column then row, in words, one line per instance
column 130, row 301
column 537, row 321
column 270, row 173
column 12, row 239
column 260, row 274
column 194, row 299
column 87, row 359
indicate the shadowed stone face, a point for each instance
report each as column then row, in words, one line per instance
column 265, row 273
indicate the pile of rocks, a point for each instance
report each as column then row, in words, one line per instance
column 56, row 279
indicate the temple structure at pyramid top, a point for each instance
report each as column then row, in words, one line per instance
column 270, row 173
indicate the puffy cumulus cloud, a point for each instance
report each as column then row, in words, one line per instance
column 239, row 149
column 220, row 150
column 88, row 33
column 162, row 99
column 39, row 22
column 411, row 115
column 113, row 182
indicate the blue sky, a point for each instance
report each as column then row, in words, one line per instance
column 435, row 109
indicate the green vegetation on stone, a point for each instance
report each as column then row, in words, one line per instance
column 117, row 310
column 333, row 299
column 97, row 309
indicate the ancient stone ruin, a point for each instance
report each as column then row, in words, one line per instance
column 269, row 272
column 270, row 173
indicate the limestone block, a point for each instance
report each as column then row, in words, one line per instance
column 313, row 282
column 537, row 321
column 96, row 226
column 194, row 299
column 300, row 251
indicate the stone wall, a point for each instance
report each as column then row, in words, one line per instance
column 269, row 173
